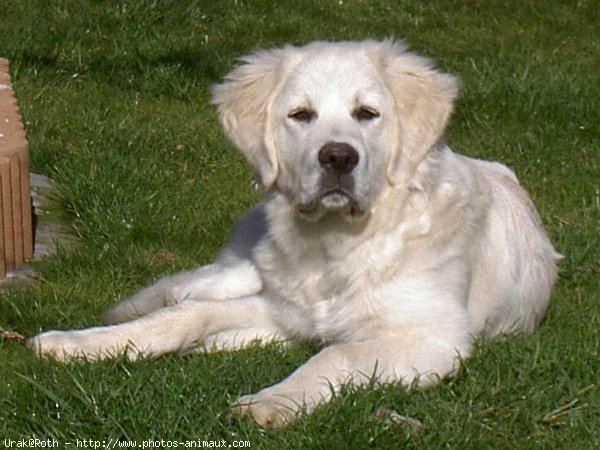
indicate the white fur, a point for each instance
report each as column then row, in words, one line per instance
column 394, row 278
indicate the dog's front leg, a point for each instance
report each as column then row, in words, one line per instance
column 177, row 328
column 385, row 360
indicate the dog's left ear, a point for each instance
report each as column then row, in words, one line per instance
column 243, row 102
column 424, row 100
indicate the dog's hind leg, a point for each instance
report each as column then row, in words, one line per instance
column 232, row 275
column 211, row 282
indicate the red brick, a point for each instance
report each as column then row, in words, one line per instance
column 16, row 234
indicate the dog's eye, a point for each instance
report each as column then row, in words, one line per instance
column 302, row 115
column 364, row 113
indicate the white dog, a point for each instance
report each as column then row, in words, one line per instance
column 374, row 238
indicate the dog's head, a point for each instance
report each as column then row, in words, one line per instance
column 333, row 125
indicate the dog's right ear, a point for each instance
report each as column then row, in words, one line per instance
column 243, row 102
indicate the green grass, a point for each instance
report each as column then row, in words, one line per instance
column 115, row 98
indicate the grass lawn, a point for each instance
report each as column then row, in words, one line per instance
column 115, row 98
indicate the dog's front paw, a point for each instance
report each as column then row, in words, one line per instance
column 268, row 409
column 59, row 345
column 66, row 345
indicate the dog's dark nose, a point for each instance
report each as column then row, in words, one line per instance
column 338, row 157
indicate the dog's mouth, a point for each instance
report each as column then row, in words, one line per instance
column 332, row 200
column 335, row 199
column 335, row 195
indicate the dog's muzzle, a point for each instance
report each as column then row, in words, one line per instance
column 337, row 160
column 336, row 185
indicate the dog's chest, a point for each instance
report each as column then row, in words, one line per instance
column 319, row 296
column 321, row 302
